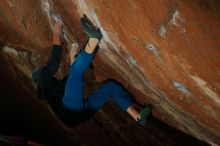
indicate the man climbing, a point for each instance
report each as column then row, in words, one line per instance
column 74, row 108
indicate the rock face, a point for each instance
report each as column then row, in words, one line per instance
column 165, row 52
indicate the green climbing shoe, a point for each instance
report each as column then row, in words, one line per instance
column 90, row 29
column 145, row 113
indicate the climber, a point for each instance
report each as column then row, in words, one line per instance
column 74, row 109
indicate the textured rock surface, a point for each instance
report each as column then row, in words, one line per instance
column 165, row 52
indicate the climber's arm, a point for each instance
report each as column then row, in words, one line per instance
column 54, row 61
column 57, row 32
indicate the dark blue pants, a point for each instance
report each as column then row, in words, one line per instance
column 74, row 90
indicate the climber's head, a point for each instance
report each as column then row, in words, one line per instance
column 37, row 75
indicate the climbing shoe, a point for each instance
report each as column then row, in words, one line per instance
column 145, row 113
column 90, row 29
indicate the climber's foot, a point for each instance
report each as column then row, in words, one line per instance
column 145, row 113
column 90, row 29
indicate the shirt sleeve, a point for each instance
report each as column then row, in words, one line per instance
column 54, row 61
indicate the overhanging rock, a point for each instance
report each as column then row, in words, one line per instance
column 165, row 52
